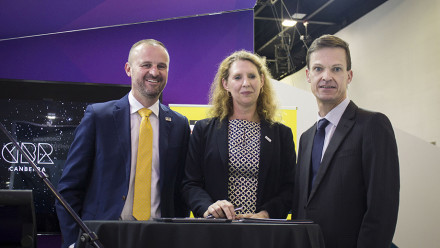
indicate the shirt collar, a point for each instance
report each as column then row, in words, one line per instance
column 336, row 113
column 135, row 105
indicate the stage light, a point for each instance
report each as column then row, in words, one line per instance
column 289, row 23
column 298, row 15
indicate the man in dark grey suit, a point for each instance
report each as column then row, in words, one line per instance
column 347, row 176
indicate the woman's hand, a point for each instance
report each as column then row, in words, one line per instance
column 221, row 209
column 260, row 215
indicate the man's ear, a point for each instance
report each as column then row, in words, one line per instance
column 127, row 69
column 308, row 75
column 350, row 76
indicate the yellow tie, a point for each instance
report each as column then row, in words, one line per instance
column 142, row 179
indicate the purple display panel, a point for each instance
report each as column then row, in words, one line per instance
column 196, row 46
column 24, row 18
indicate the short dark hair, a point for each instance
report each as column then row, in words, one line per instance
column 329, row 41
column 152, row 42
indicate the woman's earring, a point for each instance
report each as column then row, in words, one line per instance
column 228, row 92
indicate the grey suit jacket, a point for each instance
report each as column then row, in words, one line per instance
column 355, row 197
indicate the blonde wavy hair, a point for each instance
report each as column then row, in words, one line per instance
column 221, row 101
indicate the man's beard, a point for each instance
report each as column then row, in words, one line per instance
column 151, row 94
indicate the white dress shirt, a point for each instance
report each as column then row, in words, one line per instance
column 135, row 121
column 334, row 116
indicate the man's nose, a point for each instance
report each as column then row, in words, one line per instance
column 326, row 75
column 154, row 71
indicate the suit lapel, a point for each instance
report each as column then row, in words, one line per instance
column 121, row 117
column 222, row 141
column 266, row 151
column 307, row 158
column 165, row 125
column 344, row 126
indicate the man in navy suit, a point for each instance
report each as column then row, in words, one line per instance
column 352, row 192
column 98, row 178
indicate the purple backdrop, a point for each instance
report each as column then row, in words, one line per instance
column 196, row 45
column 23, row 18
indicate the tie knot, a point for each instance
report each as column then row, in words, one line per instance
column 322, row 123
column 144, row 112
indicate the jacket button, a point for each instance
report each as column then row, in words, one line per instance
column 124, row 197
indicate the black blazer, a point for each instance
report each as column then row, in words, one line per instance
column 206, row 171
column 355, row 198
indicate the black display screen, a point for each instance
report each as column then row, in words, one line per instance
column 42, row 117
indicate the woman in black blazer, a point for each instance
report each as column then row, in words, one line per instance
column 241, row 157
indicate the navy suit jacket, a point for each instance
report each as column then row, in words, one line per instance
column 206, row 172
column 96, row 175
column 355, row 197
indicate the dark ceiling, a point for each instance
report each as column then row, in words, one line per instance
column 285, row 48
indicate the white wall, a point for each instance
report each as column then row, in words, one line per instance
column 305, row 102
column 396, row 65
column 395, row 52
column 419, row 217
column 419, row 171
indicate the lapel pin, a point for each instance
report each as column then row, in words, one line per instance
column 168, row 118
column 268, row 139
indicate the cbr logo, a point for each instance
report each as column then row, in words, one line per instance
column 39, row 153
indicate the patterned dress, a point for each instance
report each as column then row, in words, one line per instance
column 244, row 159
